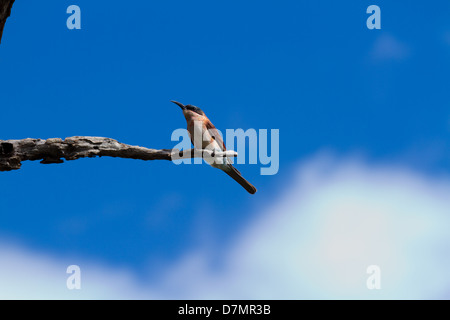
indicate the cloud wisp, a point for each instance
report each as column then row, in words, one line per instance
column 388, row 48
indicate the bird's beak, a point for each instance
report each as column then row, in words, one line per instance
column 178, row 104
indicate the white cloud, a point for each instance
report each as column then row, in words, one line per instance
column 29, row 275
column 334, row 220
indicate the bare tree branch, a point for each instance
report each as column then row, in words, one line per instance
column 13, row 152
column 5, row 11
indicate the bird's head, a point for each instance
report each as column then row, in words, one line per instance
column 189, row 108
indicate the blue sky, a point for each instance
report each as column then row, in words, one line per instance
column 311, row 69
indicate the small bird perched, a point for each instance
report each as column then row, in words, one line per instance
column 198, row 125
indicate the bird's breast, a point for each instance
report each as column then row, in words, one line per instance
column 200, row 136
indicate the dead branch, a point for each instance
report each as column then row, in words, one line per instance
column 13, row 152
column 5, row 11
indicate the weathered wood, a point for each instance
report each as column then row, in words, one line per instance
column 5, row 11
column 13, row 152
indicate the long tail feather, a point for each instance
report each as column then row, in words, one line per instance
column 236, row 175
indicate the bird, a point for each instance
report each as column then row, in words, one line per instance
column 198, row 125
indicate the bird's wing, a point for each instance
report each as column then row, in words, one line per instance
column 215, row 134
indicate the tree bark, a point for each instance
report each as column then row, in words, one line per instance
column 5, row 11
column 13, row 152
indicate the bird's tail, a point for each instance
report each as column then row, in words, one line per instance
column 236, row 175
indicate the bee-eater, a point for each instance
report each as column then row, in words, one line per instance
column 198, row 125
